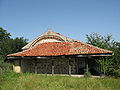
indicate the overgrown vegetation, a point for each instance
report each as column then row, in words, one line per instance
column 27, row 81
column 9, row 45
column 108, row 65
column 87, row 73
column 10, row 80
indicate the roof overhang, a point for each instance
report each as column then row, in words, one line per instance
column 45, row 57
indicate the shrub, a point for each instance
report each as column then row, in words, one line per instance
column 117, row 73
column 4, row 67
column 87, row 73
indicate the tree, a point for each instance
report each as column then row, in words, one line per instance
column 9, row 45
column 110, row 65
column 104, row 42
column 4, row 34
column 19, row 43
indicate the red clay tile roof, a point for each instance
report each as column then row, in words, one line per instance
column 61, row 48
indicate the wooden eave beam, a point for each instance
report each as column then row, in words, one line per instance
column 94, row 55
column 39, row 57
column 12, row 57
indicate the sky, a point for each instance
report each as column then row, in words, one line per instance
column 71, row 18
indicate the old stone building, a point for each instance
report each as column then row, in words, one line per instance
column 53, row 53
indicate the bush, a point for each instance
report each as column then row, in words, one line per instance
column 117, row 73
column 5, row 66
column 8, row 74
column 87, row 73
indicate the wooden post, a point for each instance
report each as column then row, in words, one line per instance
column 104, row 66
column 20, row 64
column 52, row 67
column 77, row 65
column 69, row 67
column 35, row 66
column 87, row 65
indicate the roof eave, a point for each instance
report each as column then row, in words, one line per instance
column 95, row 55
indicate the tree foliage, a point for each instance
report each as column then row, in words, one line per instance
column 104, row 42
column 9, row 45
column 4, row 34
column 108, row 65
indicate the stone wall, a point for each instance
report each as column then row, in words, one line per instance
column 61, row 66
column 28, row 65
column 73, row 64
column 81, row 65
column 44, row 66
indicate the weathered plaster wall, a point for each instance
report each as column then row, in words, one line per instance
column 47, row 40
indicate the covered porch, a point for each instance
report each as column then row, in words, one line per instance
column 68, row 64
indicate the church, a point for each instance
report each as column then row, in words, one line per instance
column 53, row 53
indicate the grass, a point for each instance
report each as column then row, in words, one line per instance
column 26, row 81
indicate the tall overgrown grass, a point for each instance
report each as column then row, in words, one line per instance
column 28, row 81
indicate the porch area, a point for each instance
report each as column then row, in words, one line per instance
column 64, row 65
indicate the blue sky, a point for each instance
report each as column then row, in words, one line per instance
column 72, row 18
